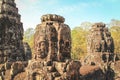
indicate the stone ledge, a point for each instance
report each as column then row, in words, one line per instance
column 52, row 17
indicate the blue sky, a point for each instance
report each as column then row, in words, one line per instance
column 74, row 11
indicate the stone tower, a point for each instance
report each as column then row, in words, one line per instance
column 52, row 38
column 14, row 54
column 11, row 32
column 52, row 51
column 100, row 44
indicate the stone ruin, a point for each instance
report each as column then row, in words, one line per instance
column 100, row 47
column 11, row 32
column 12, row 49
column 52, row 38
column 51, row 59
column 52, row 56
column 100, row 44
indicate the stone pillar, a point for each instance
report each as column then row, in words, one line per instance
column 57, row 36
column 11, row 29
column 100, row 43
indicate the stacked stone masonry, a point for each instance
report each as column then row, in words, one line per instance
column 52, row 57
column 13, row 58
column 100, row 44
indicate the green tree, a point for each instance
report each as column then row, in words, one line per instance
column 29, row 37
column 79, row 47
column 115, row 30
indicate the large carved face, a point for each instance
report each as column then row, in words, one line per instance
column 42, row 46
column 97, row 46
column 41, row 49
column 109, row 41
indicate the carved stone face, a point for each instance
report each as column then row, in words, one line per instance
column 42, row 46
column 41, row 50
column 109, row 41
column 97, row 47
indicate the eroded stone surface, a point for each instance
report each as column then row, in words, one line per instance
column 52, row 59
column 12, row 52
column 52, row 38
column 11, row 30
column 100, row 44
column 100, row 47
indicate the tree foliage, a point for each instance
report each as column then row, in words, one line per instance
column 79, row 47
column 115, row 31
column 29, row 37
